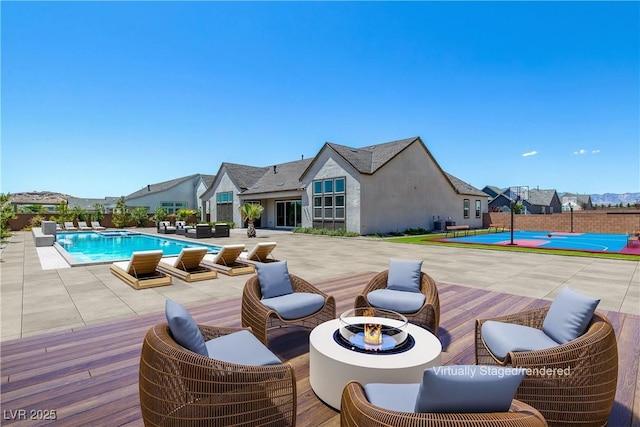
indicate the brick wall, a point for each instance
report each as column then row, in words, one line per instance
column 613, row 221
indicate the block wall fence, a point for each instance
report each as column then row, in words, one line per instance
column 598, row 221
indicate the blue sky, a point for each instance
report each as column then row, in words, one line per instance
column 102, row 98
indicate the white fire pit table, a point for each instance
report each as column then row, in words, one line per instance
column 333, row 363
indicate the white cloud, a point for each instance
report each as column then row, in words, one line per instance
column 580, row 151
column 595, row 151
column 530, row 153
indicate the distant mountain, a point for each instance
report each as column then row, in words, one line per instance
column 615, row 199
column 38, row 197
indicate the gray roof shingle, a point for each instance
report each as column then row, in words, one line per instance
column 159, row 187
column 286, row 177
column 465, row 188
column 369, row 159
column 244, row 176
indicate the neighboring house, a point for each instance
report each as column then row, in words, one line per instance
column 172, row 195
column 222, row 198
column 89, row 204
column 492, row 191
column 583, row 202
column 376, row 189
column 543, row 202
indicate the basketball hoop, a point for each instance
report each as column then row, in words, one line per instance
column 516, row 194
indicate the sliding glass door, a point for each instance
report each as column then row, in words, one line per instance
column 289, row 213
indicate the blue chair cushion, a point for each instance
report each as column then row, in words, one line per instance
column 183, row 328
column 274, row 279
column 502, row 338
column 468, row 388
column 295, row 305
column 399, row 301
column 404, row 275
column 393, row 397
column 569, row 315
column 241, row 347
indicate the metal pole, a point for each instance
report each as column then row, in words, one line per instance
column 513, row 206
column 571, row 208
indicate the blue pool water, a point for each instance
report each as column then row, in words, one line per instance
column 115, row 245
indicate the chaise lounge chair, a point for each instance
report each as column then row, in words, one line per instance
column 187, row 266
column 141, row 271
column 261, row 252
column 96, row 225
column 68, row 225
column 82, row 225
column 226, row 261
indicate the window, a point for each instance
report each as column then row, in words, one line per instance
column 329, row 199
column 224, row 197
column 478, row 209
column 173, row 207
column 466, row 208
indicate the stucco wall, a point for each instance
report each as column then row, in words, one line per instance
column 328, row 165
column 411, row 192
column 183, row 192
column 224, row 184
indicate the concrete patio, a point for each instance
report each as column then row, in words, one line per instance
column 40, row 293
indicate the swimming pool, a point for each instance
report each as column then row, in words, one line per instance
column 586, row 242
column 116, row 245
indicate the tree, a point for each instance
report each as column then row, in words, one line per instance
column 159, row 215
column 121, row 216
column 183, row 214
column 6, row 214
column 250, row 212
column 140, row 216
column 64, row 213
column 99, row 212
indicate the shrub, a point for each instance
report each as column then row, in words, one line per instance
column 140, row 216
column 325, row 232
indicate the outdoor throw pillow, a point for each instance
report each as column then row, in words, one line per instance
column 468, row 388
column 569, row 315
column 184, row 329
column 404, row 275
column 274, row 279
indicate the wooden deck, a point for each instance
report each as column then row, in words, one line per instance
column 89, row 376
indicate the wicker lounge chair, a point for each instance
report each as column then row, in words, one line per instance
column 428, row 315
column 585, row 395
column 261, row 252
column 181, row 388
column 141, row 271
column 187, row 266
column 226, row 261
column 357, row 411
column 260, row 318
column 96, row 225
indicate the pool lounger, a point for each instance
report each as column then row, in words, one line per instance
column 187, row 266
column 141, row 271
column 226, row 261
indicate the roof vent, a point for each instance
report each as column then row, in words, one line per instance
column 148, row 187
column 274, row 169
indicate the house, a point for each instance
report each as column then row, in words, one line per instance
column 581, row 201
column 543, row 202
column 172, row 195
column 380, row 188
column 222, row 198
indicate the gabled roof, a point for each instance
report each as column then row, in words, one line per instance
column 243, row 176
column 369, row 159
column 464, row 188
column 207, row 179
column 541, row 197
column 159, row 187
column 492, row 190
column 580, row 198
column 285, row 177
